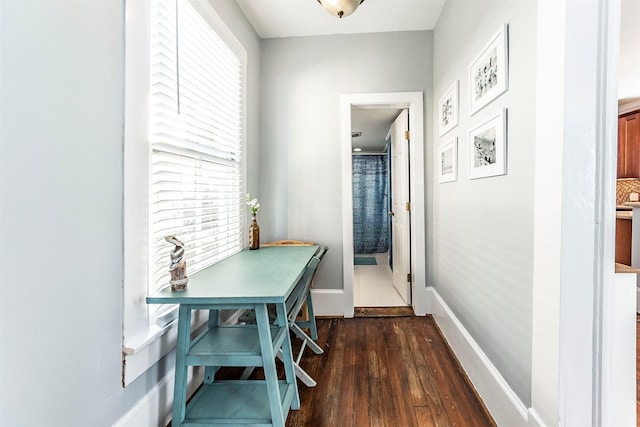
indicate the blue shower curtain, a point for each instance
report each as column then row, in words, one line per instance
column 370, row 219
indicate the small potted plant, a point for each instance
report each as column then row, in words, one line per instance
column 254, row 228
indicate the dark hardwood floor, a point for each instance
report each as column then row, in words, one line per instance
column 391, row 371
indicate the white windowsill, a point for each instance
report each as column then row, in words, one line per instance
column 160, row 327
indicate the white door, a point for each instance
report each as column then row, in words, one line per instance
column 401, row 214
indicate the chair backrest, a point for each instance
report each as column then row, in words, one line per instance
column 299, row 295
column 288, row 243
column 320, row 252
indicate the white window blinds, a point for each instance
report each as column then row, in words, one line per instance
column 197, row 187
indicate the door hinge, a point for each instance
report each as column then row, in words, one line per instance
column 406, row 135
column 408, row 206
column 408, row 277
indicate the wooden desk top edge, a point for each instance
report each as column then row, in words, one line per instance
column 236, row 284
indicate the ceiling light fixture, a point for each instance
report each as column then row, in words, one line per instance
column 340, row 8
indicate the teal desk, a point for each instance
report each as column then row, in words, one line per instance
column 247, row 280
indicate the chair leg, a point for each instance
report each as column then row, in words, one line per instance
column 300, row 373
column 311, row 343
column 312, row 318
column 246, row 372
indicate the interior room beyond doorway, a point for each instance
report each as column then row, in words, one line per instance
column 374, row 135
column 373, row 283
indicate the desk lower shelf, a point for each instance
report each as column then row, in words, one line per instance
column 235, row 403
column 231, row 346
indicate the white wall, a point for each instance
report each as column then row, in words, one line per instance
column 62, row 86
column 483, row 229
column 629, row 83
column 578, row 48
column 300, row 169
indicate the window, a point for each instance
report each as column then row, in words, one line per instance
column 183, row 158
column 195, row 135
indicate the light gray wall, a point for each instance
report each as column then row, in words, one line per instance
column 483, row 229
column 62, row 83
column 300, row 163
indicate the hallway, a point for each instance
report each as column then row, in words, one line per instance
column 373, row 284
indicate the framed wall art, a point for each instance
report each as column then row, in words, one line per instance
column 489, row 73
column 448, row 161
column 488, row 147
column 448, row 109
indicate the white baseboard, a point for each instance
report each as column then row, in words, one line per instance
column 421, row 302
column 328, row 302
column 501, row 401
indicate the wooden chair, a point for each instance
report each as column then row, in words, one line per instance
column 305, row 300
column 304, row 313
column 299, row 296
column 294, row 304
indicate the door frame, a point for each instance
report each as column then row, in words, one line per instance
column 413, row 101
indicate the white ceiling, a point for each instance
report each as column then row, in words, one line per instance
column 374, row 123
column 293, row 18
column 296, row 18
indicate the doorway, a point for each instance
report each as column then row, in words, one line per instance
column 413, row 103
column 380, row 223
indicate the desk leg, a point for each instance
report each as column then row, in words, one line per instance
column 210, row 371
column 287, row 355
column 269, row 365
column 182, row 347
